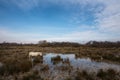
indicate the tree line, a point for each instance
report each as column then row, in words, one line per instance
column 66, row 44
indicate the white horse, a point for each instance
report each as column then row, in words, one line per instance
column 34, row 54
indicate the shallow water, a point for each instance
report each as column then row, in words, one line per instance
column 81, row 63
column 68, row 64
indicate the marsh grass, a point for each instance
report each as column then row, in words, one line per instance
column 16, row 62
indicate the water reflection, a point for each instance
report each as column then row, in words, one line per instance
column 60, row 66
column 83, row 63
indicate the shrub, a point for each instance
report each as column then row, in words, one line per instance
column 44, row 68
column 13, row 65
column 101, row 74
column 31, row 76
column 68, row 78
column 107, row 75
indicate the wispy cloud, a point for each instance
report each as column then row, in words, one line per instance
column 74, row 36
column 107, row 15
column 106, row 20
column 11, row 36
column 30, row 4
column 22, row 4
column 109, row 18
column 85, row 36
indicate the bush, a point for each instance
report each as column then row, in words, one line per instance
column 107, row 75
column 69, row 78
column 101, row 74
column 32, row 76
column 13, row 65
column 44, row 68
column 2, row 70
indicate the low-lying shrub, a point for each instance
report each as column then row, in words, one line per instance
column 108, row 74
column 13, row 65
column 32, row 76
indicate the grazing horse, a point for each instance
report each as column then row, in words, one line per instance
column 35, row 54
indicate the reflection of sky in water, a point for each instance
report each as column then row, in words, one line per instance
column 82, row 63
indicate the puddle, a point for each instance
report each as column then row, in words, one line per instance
column 64, row 65
column 82, row 63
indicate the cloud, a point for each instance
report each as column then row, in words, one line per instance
column 22, row 4
column 107, row 21
column 31, row 4
column 10, row 36
column 106, row 14
column 85, row 36
column 76, row 36
column 109, row 18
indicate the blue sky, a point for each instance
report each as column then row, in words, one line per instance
column 59, row 20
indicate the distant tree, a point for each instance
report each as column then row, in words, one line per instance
column 42, row 42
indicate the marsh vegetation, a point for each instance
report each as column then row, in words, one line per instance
column 61, row 61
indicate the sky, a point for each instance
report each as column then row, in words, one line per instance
column 29, row 21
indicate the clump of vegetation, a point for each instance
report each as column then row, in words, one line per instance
column 66, row 61
column 44, row 68
column 12, row 66
column 38, row 59
column 2, row 69
column 56, row 59
column 108, row 75
column 68, row 78
column 84, row 75
column 32, row 76
column 112, row 57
